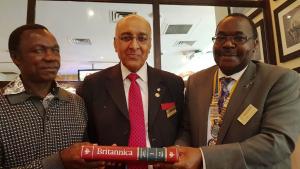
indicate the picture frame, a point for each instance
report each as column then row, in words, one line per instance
column 82, row 73
column 261, row 52
column 297, row 69
column 287, row 24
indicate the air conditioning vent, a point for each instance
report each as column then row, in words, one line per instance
column 184, row 43
column 81, row 41
column 178, row 29
column 117, row 15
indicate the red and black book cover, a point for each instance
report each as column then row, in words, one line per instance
column 119, row 153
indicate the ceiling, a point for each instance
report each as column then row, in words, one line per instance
column 85, row 32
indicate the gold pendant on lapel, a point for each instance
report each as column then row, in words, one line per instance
column 157, row 94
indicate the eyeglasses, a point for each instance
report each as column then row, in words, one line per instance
column 142, row 38
column 237, row 39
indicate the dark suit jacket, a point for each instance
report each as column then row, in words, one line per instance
column 108, row 120
column 267, row 139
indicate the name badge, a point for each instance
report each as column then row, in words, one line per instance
column 170, row 108
column 247, row 114
column 170, row 112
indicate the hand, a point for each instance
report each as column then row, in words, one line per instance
column 71, row 158
column 189, row 158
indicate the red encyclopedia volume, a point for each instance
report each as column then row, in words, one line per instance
column 119, row 153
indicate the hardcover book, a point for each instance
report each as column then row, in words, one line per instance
column 119, row 153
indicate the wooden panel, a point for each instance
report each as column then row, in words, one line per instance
column 156, row 36
column 270, row 45
column 231, row 3
column 113, row 1
column 31, row 11
column 296, row 156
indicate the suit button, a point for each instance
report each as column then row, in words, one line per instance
column 125, row 132
column 153, row 139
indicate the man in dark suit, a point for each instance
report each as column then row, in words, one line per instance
column 106, row 93
column 253, row 118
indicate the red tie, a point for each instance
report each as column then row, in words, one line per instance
column 137, row 136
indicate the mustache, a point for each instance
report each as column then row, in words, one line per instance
column 52, row 65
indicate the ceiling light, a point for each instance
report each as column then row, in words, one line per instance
column 90, row 13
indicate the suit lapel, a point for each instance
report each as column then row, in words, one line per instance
column 114, row 85
column 154, row 84
column 237, row 98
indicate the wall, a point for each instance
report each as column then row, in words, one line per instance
column 290, row 64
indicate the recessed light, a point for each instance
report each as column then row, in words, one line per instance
column 90, row 12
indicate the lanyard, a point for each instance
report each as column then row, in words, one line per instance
column 217, row 113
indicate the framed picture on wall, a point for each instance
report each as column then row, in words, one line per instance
column 261, row 53
column 287, row 22
column 82, row 73
column 297, row 69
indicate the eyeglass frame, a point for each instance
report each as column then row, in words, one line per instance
column 232, row 39
column 131, row 37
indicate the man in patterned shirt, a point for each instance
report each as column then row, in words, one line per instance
column 41, row 124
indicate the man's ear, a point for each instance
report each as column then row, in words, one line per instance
column 115, row 44
column 15, row 58
column 255, row 45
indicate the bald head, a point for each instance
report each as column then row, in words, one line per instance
column 132, row 20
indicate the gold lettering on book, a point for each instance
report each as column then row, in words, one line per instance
column 122, row 152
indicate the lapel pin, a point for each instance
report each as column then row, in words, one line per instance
column 157, row 94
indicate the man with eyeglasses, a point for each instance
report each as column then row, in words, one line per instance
column 240, row 113
column 131, row 103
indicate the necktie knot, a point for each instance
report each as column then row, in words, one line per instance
column 226, row 80
column 132, row 76
column 224, row 89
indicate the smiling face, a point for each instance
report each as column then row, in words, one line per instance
column 232, row 57
column 37, row 56
column 133, row 41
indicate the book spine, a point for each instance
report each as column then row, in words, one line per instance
column 118, row 153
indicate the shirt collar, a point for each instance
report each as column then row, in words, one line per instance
column 235, row 76
column 142, row 72
column 14, row 87
column 16, row 93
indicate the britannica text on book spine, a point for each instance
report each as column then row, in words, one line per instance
column 119, row 153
